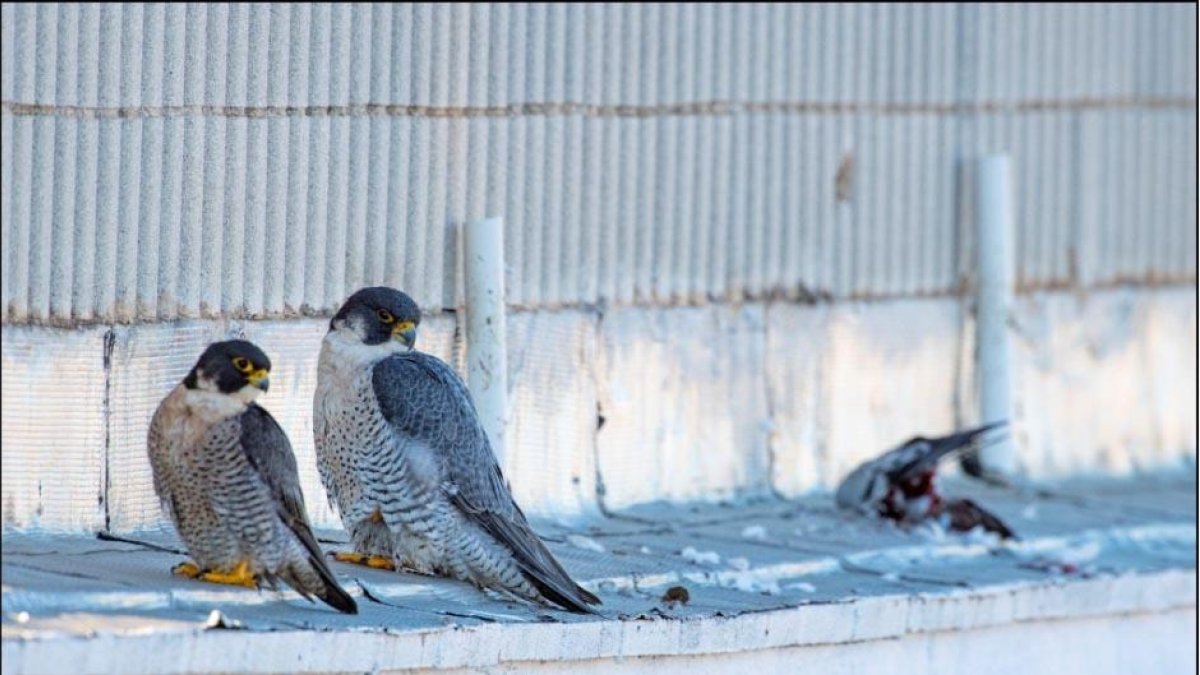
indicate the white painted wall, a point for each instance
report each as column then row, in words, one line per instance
column 698, row 403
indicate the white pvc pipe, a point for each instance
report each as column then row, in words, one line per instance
column 994, row 264
column 487, row 362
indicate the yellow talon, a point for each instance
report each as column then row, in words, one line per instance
column 352, row 558
column 187, row 569
column 238, row 576
column 378, row 562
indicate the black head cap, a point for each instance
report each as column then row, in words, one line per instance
column 378, row 314
column 230, row 366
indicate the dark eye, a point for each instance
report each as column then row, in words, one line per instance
column 385, row 316
column 242, row 364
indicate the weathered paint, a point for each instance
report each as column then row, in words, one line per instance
column 613, row 409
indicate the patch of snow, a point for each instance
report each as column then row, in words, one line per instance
column 802, row 586
column 585, row 543
column 749, row 583
column 983, row 536
column 645, row 550
column 931, row 530
column 701, row 557
column 755, row 532
column 891, row 576
column 740, row 564
column 1030, row 512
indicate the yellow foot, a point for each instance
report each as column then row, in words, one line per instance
column 238, row 576
column 186, row 569
column 378, row 562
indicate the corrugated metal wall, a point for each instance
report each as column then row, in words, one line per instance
column 162, row 161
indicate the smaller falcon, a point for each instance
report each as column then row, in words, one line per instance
column 901, row 485
column 225, row 471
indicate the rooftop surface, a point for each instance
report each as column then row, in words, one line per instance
column 758, row 575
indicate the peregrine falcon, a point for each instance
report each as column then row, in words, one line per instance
column 901, row 485
column 225, row 471
column 408, row 465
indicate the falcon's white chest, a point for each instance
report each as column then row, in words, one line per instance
column 346, row 417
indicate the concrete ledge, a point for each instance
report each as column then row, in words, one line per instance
column 768, row 581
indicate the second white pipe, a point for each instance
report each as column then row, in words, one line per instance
column 487, row 361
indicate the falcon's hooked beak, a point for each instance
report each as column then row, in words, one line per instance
column 260, row 379
column 405, row 332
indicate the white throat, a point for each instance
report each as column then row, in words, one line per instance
column 343, row 349
column 213, row 406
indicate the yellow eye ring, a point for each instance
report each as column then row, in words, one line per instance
column 385, row 316
column 243, row 364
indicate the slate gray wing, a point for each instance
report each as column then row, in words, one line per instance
column 270, row 453
column 424, row 399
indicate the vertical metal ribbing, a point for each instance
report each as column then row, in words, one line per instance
column 348, row 74
column 720, row 239
column 661, row 225
column 458, row 145
column 702, row 60
column 377, row 181
column 258, row 258
column 190, row 260
column 315, row 219
column 572, row 268
column 647, row 153
column 477, row 173
column 62, row 238
column 535, row 156
column 517, row 160
column 554, row 221
column 129, row 217
column 214, row 264
column 295, row 235
column 400, row 87
column 608, row 272
column 779, row 138
column 467, row 182
column 733, row 285
column 8, row 32
column 157, row 215
column 235, row 226
column 684, row 159
column 170, row 225
column 593, row 135
column 436, row 292
column 630, row 171
column 42, row 184
column 278, row 247
column 418, row 224
column 153, row 58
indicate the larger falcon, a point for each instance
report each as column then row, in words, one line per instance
column 408, row 465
